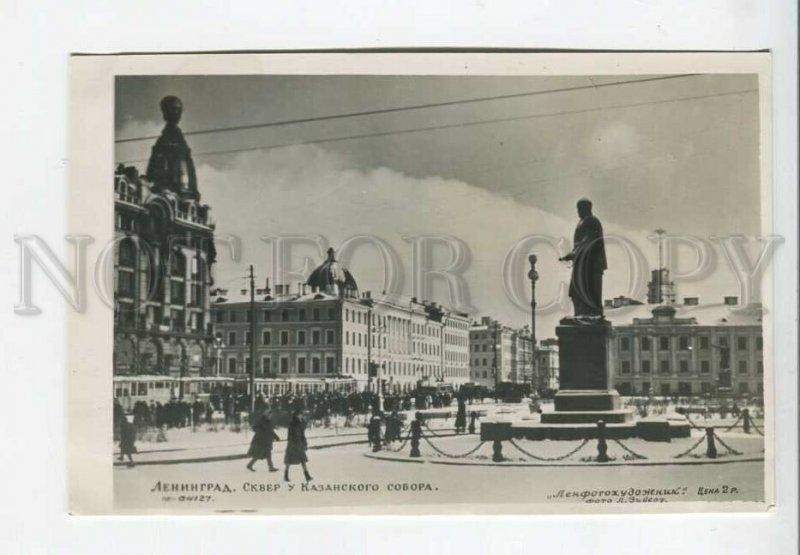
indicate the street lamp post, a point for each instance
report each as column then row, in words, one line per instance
column 218, row 343
column 379, row 329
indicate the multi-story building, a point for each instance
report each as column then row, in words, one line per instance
column 521, row 356
column 688, row 349
column 162, row 263
column 499, row 353
column 326, row 329
column 547, row 365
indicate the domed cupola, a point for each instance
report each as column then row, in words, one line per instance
column 333, row 278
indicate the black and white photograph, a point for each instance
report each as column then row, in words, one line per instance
column 463, row 291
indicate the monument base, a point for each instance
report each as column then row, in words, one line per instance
column 587, row 400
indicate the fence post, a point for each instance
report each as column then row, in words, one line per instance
column 711, row 449
column 602, row 447
column 497, row 451
column 746, row 420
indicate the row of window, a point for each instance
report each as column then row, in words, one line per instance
column 684, row 366
column 233, row 316
column 683, row 389
column 301, row 337
column 301, row 365
column 684, row 342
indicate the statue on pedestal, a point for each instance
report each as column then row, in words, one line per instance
column 588, row 258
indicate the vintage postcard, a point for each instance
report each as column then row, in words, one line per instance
column 421, row 283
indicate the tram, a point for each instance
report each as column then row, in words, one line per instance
column 160, row 388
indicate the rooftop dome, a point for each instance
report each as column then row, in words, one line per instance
column 333, row 278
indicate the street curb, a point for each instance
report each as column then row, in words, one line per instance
column 221, row 458
column 582, row 464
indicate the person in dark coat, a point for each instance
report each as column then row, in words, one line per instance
column 461, row 416
column 127, row 441
column 261, row 444
column 374, row 432
column 296, row 445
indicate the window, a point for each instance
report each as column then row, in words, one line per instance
column 284, row 315
column 126, row 288
column 665, row 390
column 625, row 343
column 315, row 365
column 232, row 365
column 301, row 337
column 266, row 365
column 284, row 365
column 683, row 343
column 744, row 388
column 644, row 343
column 626, row 367
column 684, row 367
column 247, row 338
column 231, row 338
column 760, row 367
column 705, row 388
column 645, row 367
column 684, row 389
column 663, row 343
column 316, row 314
column 301, row 315
column 315, row 337
column 176, row 292
column 267, row 316
column 330, row 365
column 705, row 367
column 741, row 343
column 330, row 338
column 220, row 316
column 284, row 338
column 759, row 343
column 127, row 253
column 301, row 365
column 743, row 367
column 331, row 314
column 723, row 341
column 266, row 337
column 645, row 388
column 704, row 342
column 663, row 366
column 624, row 388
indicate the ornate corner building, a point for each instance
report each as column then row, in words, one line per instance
column 162, row 262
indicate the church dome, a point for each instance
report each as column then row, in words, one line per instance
column 333, row 278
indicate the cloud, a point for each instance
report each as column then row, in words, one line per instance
column 307, row 190
column 135, row 128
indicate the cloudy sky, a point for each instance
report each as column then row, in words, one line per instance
column 678, row 153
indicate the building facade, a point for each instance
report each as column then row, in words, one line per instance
column 547, row 365
column 689, row 350
column 326, row 329
column 162, row 263
column 499, row 353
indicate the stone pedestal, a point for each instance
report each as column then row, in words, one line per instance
column 585, row 392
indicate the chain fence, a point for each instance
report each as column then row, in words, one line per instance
column 732, row 426
column 756, row 428
column 630, row 451
column 690, row 449
column 548, row 459
column 450, row 455
column 730, row 449
column 403, row 444
column 430, row 430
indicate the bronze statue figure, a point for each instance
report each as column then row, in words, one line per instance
column 588, row 258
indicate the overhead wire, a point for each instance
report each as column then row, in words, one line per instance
column 412, row 107
column 460, row 124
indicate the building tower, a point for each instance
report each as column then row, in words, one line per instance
column 162, row 271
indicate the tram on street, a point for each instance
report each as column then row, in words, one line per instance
column 160, row 388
